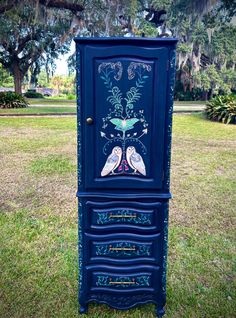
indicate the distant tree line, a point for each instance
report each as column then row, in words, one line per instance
column 33, row 33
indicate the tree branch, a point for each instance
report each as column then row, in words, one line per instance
column 62, row 4
column 59, row 4
column 7, row 5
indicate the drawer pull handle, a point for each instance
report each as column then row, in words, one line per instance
column 122, row 248
column 120, row 283
column 122, row 216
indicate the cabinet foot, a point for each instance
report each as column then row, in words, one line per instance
column 160, row 312
column 83, row 309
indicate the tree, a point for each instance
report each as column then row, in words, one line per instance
column 60, row 4
column 42, row 79
column 34, row 33
column 6, row 79
column 207, row 41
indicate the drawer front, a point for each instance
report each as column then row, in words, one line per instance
column 124, row 278
column 124, row 248
column 123, row 216
column 120, row 215
column 122, row 281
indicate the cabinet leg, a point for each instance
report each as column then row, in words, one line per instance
column 83, row 309
column 160, row 312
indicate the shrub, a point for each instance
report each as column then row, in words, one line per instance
column 71, row 96
column 12, row 100
column 30, row 94
column 222, row 109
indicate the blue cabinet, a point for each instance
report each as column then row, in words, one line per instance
column 125, row 101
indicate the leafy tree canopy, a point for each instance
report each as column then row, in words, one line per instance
column 33, row 33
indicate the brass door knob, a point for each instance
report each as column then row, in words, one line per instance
column 89, row 121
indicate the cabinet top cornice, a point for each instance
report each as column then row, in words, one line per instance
column 133, row 40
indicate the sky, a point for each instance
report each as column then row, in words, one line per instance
column 61, row 63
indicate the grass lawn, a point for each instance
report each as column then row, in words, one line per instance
column 52, row 101
column 57, row 106
column 38, row 220
column 39, row 110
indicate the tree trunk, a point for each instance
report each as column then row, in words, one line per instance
column 18, row 78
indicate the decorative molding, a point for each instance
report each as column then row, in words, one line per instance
column 125, row 301
column 118, row 195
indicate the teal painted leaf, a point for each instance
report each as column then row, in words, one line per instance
column 124, row 124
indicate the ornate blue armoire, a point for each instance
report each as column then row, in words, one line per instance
column 125, row 103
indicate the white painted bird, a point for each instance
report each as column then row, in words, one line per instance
column 112, row 162
column 135, row 161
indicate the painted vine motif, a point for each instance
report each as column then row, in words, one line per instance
column 124, row 158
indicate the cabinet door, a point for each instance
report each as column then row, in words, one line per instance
column 125, row 95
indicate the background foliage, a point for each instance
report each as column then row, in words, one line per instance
column 12, row 100
column 222, row 108
column 34, row 33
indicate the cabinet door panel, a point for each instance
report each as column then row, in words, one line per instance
column 125, row 95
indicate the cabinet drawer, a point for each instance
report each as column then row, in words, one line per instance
column 124, row 278
column 123, row 248
column 123, row 215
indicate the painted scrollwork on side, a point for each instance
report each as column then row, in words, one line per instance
column 165, row 247
column 79, row 145
column 170, row 113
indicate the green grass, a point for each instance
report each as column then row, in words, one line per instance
column 38, row 221
column 195, row 102
column 49, row 100
column 52, row 164
column 57, row 106
column 44, row 123
column 39, row 110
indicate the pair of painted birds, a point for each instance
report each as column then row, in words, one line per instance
column 134, row 160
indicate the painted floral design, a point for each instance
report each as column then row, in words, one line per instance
column 109, row 68
column 138, row 68
column 124, row 118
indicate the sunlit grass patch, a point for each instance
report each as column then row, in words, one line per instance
column 58, row 123
column 38, row 221
column 198, row 127
column 38, row 265
column 39, row 110
column 31, row 144
column 200, row 274
column 52, row 164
